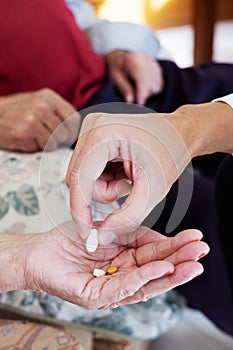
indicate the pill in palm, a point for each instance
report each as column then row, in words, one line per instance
column 98, row 273
column 111, row 270
column 92, row 241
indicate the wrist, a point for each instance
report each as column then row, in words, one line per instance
column 187, row 127
column 193, row 124
column 174, row 133
column 14, row 252
column 205, row 128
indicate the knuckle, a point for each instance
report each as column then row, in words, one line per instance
column 28, row 121
column 19, row 135
column 73, row 177
column 94, row 116
column 46, row 91
column 141, row 296
column 185, row 107
column 42, row 107
column 46, row 95
column 125, row 292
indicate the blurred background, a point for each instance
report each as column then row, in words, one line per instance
column 193, row 31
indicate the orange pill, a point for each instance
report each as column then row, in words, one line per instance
column 111, row 270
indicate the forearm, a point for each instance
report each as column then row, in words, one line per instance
column 205, row 128
column 13, row 253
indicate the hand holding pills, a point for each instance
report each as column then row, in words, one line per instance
column 109, row 276
column 100, row 277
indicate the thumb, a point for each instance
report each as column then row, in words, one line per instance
column 129, row 216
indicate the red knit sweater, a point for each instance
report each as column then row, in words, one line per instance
column 42, row 46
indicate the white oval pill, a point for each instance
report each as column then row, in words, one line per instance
column 92, row 241
column 98, row 273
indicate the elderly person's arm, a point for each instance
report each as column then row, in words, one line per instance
column 57, row 262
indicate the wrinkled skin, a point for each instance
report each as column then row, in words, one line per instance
column 137, row 75
column 27, row 120
column 58, row 263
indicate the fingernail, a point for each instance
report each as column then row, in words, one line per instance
column 107, row 237
column 198, row 274
column 168, row 273
column 201, row 256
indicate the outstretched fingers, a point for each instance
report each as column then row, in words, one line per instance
column 183, row 273
column 169, row 248
column 192, row 251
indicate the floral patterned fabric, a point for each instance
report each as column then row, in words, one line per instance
column 34, row 198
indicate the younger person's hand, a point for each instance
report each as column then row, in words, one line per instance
column 117, row 154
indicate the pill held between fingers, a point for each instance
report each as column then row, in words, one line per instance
column 98, row 273
column 92, row 241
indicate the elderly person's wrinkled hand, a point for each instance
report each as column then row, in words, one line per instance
column 137, row 75
column 58, row 263
column 27, row 120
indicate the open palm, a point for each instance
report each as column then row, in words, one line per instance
column 59, row 264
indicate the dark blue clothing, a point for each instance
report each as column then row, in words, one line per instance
column 196, row 84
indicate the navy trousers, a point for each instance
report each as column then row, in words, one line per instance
column 212, row 291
